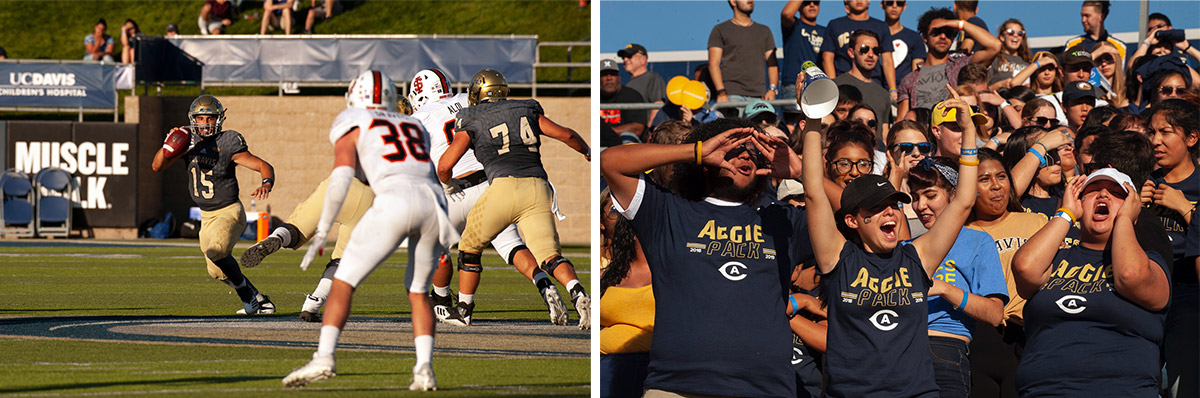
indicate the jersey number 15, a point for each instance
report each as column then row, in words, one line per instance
column 414, row 140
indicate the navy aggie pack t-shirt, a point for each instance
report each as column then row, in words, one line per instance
column 721, row 273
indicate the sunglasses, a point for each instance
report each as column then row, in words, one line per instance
column 1053, row 158
column 757, row 157
column 864, row 48
column 893, row 4
column 1047, row 122
column 948, row 31
column 810, row 3
column 907, row 147
column 1168, row 90
column 1011, row 32
column 844, row 165
column 869, row 122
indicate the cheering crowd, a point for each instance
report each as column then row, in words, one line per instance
column 790, row 252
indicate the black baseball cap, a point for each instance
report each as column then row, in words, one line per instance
column 869, row 191
column 1077, row 55
column 1078, row 89
column 632, row 48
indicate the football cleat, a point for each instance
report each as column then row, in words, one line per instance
column 263, row 307
column 583, row 305
column 461, row 315
column 311, row 311
column 423, row 379
column 558, row 310
column 321, row 367
column 255, row 254
column 443, row 306
column 206, row 105
column 372, row 89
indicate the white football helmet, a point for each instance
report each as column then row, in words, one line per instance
column 427, row 86
column 372, row 89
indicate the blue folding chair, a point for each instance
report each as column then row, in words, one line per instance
column 17, row 211
column 54, row 193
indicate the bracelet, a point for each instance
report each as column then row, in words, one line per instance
column 995, row 141
column 966, row 297
column 969, row 151
column 893, row 91
column 968, row 162
column 1041, row 159
column 1070, row 216
column 1044, row 148
column 699, row 149
column 1064, row 216
column 1037, row 65
column 960, row 24
column 795, row 306
column 721, row 91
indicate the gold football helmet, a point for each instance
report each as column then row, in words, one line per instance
column 487, row 86
column 404, row 106
column 206, row 105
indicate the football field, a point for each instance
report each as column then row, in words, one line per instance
column 84, row 318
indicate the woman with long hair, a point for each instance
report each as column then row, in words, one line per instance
column 1094, row 315
column 1044, row 193
column 849, row 155
column 907, row 143
column 872, row 284
column 626, row 306
column 968, row 286
column 1108, row 62
column 1014, row 55
column 1041, row 113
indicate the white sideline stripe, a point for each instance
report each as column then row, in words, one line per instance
column 306, row 388
column 71, row 255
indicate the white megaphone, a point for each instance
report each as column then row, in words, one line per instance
column 819, row 95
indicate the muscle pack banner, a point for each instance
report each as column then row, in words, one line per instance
column 57, row 85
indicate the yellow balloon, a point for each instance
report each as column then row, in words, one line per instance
column 675, row 89
column 695, row 95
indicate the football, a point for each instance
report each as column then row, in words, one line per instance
column 177, row 142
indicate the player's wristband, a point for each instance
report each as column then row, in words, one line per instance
column 269, row 181
column 1066, row 215
column 795, row 306
column 1041, row 159
column 966, row 297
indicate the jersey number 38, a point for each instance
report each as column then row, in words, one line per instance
column 413, row 139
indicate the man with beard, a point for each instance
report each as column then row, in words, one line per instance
column 737, row 50
column 926, row 87
column 615, row 123
column 721, row 266
column 864, row 50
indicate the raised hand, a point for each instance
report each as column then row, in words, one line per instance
column 1070, row 200
column 1132, row 206
column 784, row 162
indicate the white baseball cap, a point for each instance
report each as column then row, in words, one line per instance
column 1109, row 174
column 789, row 188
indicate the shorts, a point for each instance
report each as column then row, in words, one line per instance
column 393, row 217
column 525, row 201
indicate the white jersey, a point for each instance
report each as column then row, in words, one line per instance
column 438, row 118
column 393, row 148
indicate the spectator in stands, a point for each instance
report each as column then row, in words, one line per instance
column 98, row 45
column 277, row 13
column 1105, row 57
column 938, row 27
column 835, row 59
column 967, row 10
column 1014, row 55
column 1092, row 15
column 3, row 54
column 618, row 125
column 738, row 49
column 1163, row 78
column 802, row 39
column 172, row 30
column 671, row 132
column 1077, row 64
column 864, row 50
column 216, row 16
column 761, row 113
column 626, row 308
column 908, row 51
column 1078, row 99
column 643, row 80
column 849, row 155
column 848, row 97
column 320, row 13
column 129, row 34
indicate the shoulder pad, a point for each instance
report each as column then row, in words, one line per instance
column 346, row 121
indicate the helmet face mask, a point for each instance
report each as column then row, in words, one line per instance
column 404, row 106
column 487, row 86
column 372, row 89
column 427, row 86
column 210, row 106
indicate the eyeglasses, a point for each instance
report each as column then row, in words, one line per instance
column 1047, row 122
column 907, row 147
column 864, row 48
column 844, row 165
column 869, row 122
column 948, row 31
column 893, row 4
column 1011, row 32
column 1168, row 90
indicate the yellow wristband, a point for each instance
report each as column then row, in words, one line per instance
column 1069, row 213
column 968, row 162
column 699, row 150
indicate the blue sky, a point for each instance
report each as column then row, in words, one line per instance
column 685, row 25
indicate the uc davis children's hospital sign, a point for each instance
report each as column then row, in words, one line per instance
column 102, row 157
column 57, row 85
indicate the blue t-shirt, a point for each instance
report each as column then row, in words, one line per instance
column 1174, row 222
column 1084, row 339
column 721, row 273
column 878, row 339
column 808, row 369
column 962, row 34
column 973, row 265
column 907, row 45
column 837, row 40
column 801, row 42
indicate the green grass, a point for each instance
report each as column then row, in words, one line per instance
column 84, row 280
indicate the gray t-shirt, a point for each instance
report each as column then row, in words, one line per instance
column 505, row 136
column 875, row 97
column 1006, row 66
column 650, row 85
column 742, row 64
